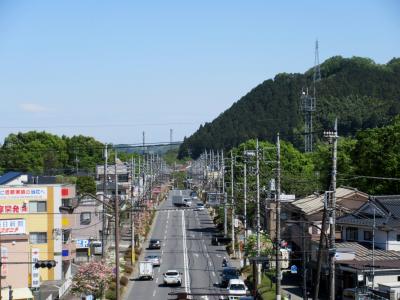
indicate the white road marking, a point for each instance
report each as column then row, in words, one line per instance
column 208, row 256
column 195, row 254
column 219, row 255
column 162, row 252
column 213, row 273
column 209, row 263
column 185, row 257
column 154, row 293
column 157, row 280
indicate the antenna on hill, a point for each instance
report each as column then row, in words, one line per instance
column 171, row 131
column 308, row 104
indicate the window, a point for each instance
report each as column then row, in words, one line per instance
column 398, row 238
column 66, row 235
column 66, row 202
column 38, row 237
column 37, row 206
column 352, row 234
column 86, row 218
column 367, row 235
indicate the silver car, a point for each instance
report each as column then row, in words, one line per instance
column 172, row 277
column 154, row 259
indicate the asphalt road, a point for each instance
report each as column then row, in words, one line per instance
column 185, row 235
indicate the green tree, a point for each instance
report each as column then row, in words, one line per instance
column 85, row 184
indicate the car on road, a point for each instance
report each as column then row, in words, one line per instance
column 154, row 244
column 154, row 259
column 187, row 202
column 172, row 277
column 236, row 288
column 200, row 206
column 227, row 274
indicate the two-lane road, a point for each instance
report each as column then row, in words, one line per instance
column 185, row 236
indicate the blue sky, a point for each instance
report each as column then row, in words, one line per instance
column 112, row 69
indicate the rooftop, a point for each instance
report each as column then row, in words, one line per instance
column 315, row 203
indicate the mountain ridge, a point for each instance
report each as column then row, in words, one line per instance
column 360, row 92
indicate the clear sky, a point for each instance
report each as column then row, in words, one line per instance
column 111, row 69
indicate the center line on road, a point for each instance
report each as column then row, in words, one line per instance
column 157, row 280
column 213, row 273
column 154, row 293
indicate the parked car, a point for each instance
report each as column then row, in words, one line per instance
column 236, row 288
column 154, row 259
column 172, row 277
column 200, row 206
column 154, row 244
column 227, row 274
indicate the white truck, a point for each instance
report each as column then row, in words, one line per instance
column 177, row 200
column 146, row 270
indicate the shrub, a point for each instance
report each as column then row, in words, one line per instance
column 124, row 281
column 128, row 269
column 110, row 295
column 112, row 286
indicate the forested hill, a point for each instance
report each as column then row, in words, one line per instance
column 361, row 93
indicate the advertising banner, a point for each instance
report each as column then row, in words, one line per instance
column 23, row 193
column 4, row 259
column 35, row 271
column 13, row 209
column 16, row 226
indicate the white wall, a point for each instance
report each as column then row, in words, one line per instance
column 381, row 279
column 393, row 244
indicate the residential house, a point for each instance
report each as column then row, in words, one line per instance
column 125, row 185
column 87, row 227
column 377, row 221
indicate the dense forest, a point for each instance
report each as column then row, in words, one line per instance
column 361, row 93
column 43, row 153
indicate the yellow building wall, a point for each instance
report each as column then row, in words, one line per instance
column 38, row 222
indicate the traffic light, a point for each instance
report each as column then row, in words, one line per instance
column 45, row 264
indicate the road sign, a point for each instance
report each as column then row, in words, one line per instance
column 293, row 269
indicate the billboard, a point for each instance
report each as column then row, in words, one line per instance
column 15, row 226
column 215, row 199
column 35, row 271
column 23, row 193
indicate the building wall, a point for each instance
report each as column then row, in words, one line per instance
column 393, row 244
column 381, row 279
column 16, row 275
column 49, row 222
column 381, row 238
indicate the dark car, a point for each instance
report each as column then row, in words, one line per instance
column 220, row 239
column 154, row 244
column 227, row 274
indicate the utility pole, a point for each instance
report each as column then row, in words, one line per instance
column 333, row 137
column 223, row 193
column 103, row 218
column 133, row 168
column 117, row 283
column 258, row 212
column 232, row 209
column 304, row 264
column 245, row 207
column 278, row 219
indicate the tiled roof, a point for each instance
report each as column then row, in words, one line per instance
column 382, row 259
column 385, row 208
column 9, row 176
column 314, row 203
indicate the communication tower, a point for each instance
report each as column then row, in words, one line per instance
column 308, row 104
